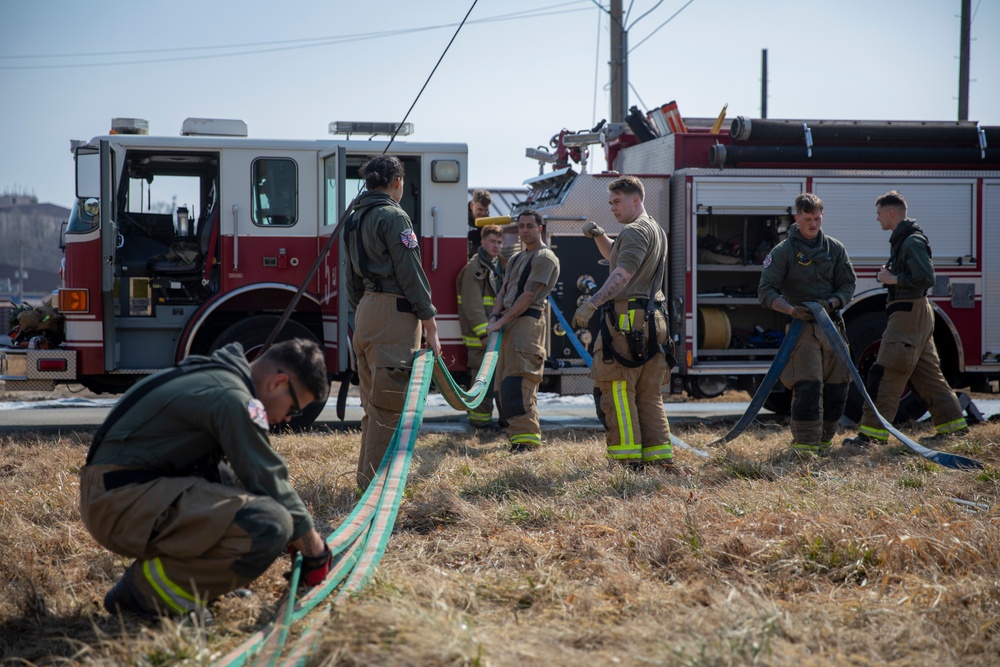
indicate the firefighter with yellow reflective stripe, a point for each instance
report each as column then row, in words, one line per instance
column 520, row 313
column 153, row 489
column 477, row 285
column 630, row 355
column 907, row 352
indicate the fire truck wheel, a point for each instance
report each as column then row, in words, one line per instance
column 705, row 386
column 251, row 333
column 864, row 333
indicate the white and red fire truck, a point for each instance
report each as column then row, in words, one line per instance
column 724, row 198
column 144, row 287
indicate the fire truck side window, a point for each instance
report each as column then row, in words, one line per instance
column 275, row 192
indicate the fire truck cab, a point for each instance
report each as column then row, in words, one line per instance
column 180, row 245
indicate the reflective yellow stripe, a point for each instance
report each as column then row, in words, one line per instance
column 619, row 392
column 472, row 341
column 480, row 329
column 624, row 452
column 872, row 432
column 489, row 300
column 480, row 416
column 956, row 425
column 460, row 299
column 658, row 453
column 525, row 437
column 621, row 321
column 173, row 595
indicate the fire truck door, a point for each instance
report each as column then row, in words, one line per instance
column 109, row 246
column 332, row 271
column 95, row 181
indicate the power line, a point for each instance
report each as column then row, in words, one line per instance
column 280, row 45
column 644, row 15
column 660, row 26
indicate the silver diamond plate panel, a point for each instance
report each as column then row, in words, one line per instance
column 649, row 157
column 69, row 355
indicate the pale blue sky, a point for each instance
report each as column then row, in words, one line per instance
column 505, row 84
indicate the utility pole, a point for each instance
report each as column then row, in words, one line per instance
column 763, row 83
column 619, row 64
column 963, row 61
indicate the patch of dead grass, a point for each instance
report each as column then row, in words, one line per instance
column 553, row 557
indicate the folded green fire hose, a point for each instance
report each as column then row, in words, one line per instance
column 359, row 543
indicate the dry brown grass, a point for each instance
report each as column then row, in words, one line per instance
column 552, row 558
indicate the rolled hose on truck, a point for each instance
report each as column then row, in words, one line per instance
column 832, row 336
column 359, row 543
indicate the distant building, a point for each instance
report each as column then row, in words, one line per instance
column 29, row 254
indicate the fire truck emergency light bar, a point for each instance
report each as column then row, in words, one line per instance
column 371, row 128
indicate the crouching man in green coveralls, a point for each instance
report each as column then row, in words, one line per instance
column 630, row 364
column 520, row 313
column 152, row 488
column 811, row 266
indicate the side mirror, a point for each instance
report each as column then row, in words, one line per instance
column 88, row 172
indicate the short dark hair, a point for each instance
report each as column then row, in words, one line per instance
column 304, row 358
column 534, row 214
column 627, row 185
column 892, row 198
column 807, row 202
column 380, row 171
column 482, row 196
column 491, row 230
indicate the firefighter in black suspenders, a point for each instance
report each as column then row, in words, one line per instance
column 520, row 313
column 478, row 284
column 631, row 354
column 391, row 297
column 907, row 352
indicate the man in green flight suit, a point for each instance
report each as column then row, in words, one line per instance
column 811, row 266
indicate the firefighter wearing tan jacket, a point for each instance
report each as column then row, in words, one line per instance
column 629, row 360
column 520, row 313
column 391, row 297
column 478, row 284
column 152, row 488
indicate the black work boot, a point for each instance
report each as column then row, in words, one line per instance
column 125, row 599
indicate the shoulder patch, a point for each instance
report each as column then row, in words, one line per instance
column 767, row 260
column 257, row 413
column 408, row 238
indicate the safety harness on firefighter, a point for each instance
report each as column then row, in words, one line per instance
column 897, row 248
column 643, row 348
column 354, row 225
column 521, row 284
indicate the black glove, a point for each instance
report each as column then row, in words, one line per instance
column 830, row 306
column 802, row 313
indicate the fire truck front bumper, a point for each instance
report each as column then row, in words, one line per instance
column 36, row 370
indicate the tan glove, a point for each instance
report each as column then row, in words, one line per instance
column 802, row 313
column 592, row 230
column 583, row 314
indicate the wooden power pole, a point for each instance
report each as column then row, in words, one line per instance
column 963, row 62
column 619, row 64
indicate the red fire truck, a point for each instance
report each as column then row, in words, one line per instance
column 144, row 286
column 725, row 198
